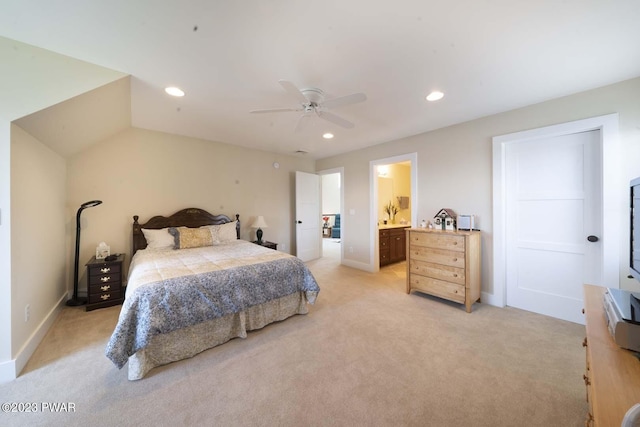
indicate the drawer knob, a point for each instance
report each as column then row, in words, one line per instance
column 105, row 278
column 105, row 297
column 105, row 270
column 455, row 243
column 105, row 288
column 455, row 259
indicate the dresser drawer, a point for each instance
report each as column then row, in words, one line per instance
column 437, row 256
column 438, row 271
column 439, row 288
column 105, row 296
column 437, row 240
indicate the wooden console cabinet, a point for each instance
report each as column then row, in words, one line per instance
column 445, row 264
column 612, row 374
column 392, row 245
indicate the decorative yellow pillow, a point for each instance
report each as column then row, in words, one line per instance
column 191, row 237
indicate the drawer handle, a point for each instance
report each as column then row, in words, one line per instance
column 105, row 270
column 107, row 287
column 105, row 278
column 455, row 259
column 105, row 297
column 455, row 275
column 455, row 243
column 397, row 238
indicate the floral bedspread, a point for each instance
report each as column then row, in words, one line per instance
column 172, row 289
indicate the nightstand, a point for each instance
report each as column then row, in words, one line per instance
column 104, row 280
column 266, row 244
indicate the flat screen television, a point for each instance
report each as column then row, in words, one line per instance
column 634, row 229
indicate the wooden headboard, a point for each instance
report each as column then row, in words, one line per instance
column 190, row 217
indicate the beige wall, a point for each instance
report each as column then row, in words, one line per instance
column 33, row 79
column 146, row 173
column 38, row 234
column 455, row 166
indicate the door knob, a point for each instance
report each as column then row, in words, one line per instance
column 299, row 222
column 592, row 238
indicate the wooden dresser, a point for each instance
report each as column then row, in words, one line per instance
column 445, row 264
column 105, row 283
column 392, row 245
column 612, row 374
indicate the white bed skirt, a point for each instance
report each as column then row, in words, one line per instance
column 187, row 342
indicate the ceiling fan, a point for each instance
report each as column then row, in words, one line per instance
column 312, row 103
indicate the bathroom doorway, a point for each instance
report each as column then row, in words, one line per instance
column 393, row 198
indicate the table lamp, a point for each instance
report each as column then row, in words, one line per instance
column 259, row 223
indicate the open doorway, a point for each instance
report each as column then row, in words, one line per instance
column 393, row 184
column 331, row 207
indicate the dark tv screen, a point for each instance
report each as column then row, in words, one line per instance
column 634, row 231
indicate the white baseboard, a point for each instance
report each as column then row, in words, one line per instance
column 491, row 299
column 358, row 265
column 36, row 338
column 7, row 371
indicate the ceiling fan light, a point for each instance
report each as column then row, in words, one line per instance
column 174, row 91
column 327, row 135
column 435, row 95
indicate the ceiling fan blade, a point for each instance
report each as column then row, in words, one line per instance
column 293, row 91
column 276, row 110
column 345, row 100
column 335, row 119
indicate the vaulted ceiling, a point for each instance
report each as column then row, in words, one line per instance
column 486, row 56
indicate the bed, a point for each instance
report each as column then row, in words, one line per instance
column 214, row 287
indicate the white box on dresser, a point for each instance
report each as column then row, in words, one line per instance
column 445, row 264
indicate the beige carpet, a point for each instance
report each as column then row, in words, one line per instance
column 368, row 354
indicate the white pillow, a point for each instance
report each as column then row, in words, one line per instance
column 158, row 239
column 224, row 233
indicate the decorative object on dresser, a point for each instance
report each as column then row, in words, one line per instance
column 445, row 219
column 445, row 264
column 104, row 280
column 75, row 301
column 259, row 223
column 392, row 245
column 267, row 244
column 612, row 375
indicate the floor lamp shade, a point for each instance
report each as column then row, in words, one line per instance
column 74, row 301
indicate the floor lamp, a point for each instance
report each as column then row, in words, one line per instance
column 75, row 301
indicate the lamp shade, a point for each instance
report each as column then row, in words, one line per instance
column 259, row 223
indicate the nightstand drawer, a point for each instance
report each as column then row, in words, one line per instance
column 104, row 287
column 105, row 278
column 97, row 270
column 105, row 296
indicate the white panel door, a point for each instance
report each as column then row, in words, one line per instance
column 553, row 205
column 308, row 216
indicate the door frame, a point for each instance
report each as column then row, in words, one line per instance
column 412, row 158
column 339, row 170
column 609, row 158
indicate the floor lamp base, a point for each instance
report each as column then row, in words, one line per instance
column 74, row 302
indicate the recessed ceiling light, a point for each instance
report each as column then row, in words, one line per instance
column 434, row 96
column 327, row 135
column 174, row 91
